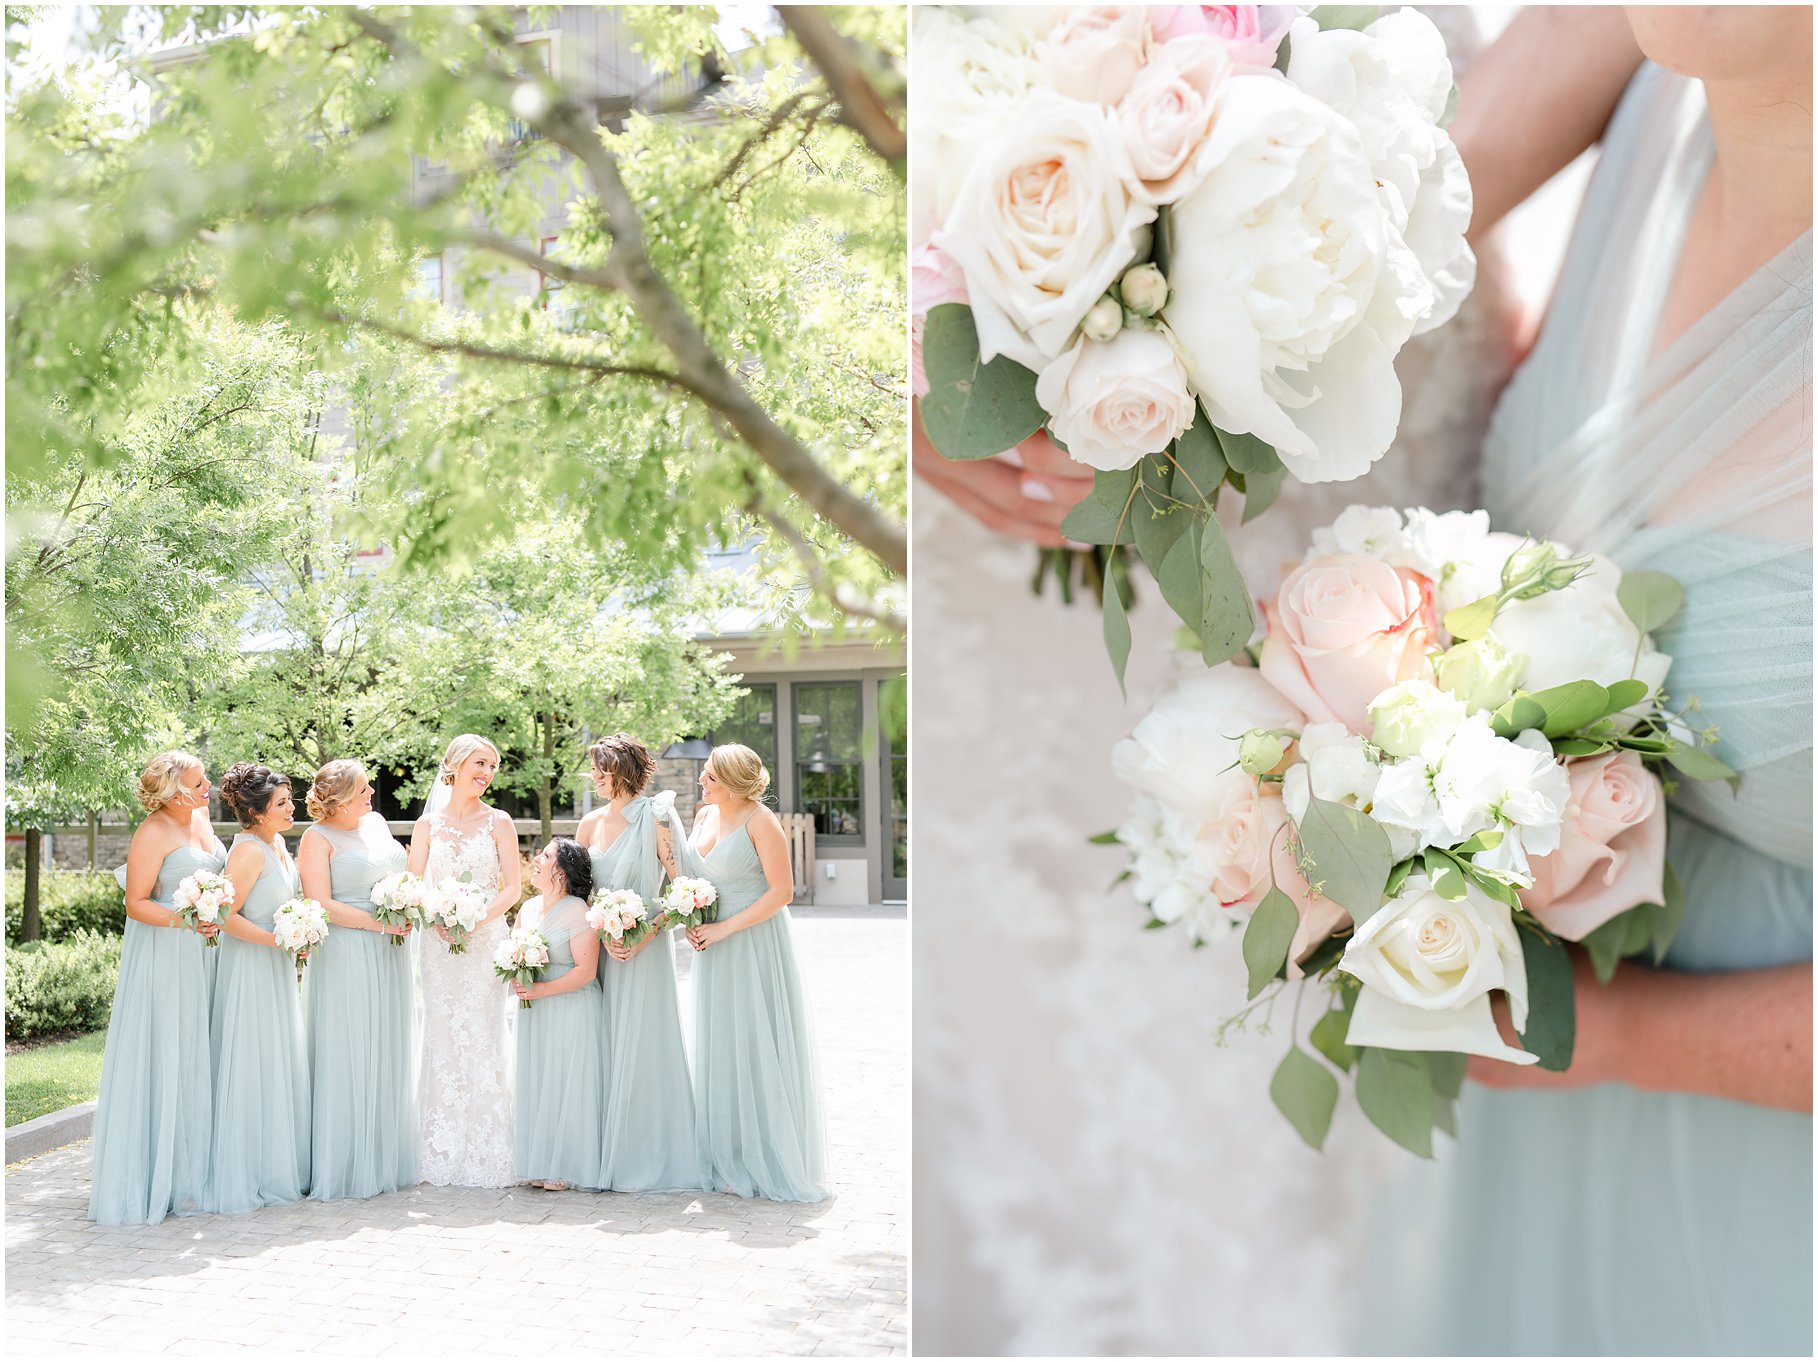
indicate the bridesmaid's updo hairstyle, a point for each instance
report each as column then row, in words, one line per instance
column 740, row 770
column 575, row 867
column 624, row 763
column 249, row 789
column 334, row 785
column 459, row 751
column 162, row 778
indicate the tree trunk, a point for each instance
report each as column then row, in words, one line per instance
column 546, row 788
column 94, row 828
column 31, row 923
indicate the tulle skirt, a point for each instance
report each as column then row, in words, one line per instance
column 152, row 1118
column 650, row 1133
column 261, row 1108
column 562, row 1089
column 757, row 1089
column 362, row 1066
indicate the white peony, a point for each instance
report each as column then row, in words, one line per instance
column 1286, row 301
column 1043, row 224
column 1113, row 402
column 1428, row 966
column 1580, row 634
column 1410, row 715
column 1392, row 80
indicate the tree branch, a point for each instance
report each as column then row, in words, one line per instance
column 849, row 601
column 864, row 110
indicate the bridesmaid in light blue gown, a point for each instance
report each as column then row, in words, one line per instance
column 561, row 1076
column 361, row 1009
column 261, row 1126
column 649, row 1134
column 757, row 1089
column 1660, row 1201
column 152, row 1118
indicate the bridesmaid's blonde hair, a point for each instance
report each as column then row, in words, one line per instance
column 333, row 786
column 162, row 778
column 740, row 770
column 459, row 751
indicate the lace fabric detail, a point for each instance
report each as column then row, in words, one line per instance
column 465, row 1091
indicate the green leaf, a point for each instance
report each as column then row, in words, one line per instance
column 1104, row 839
column 1445, row 873
column 1518, row 714
column 1651, row 599
column 1471, row 621
column 1091, row 522
column 1117, row 628
column 1227, row 617
column 1158, row 529
column 1201, row 461
column 1571, row 706
column 1697, row 763
column 1398, row 876
column 1306, row 1093
column 1448, row 1070
column 1350, row 855
column 1624, row 694
column 1178, row 576
column 1247, row 454
column 1579, row 747
column 1624, row 935
column 1329, row 17
column 1450, row 112
column 1395, row 1090
column 1161, row 252
column 1552, row 1024
column 1664, row 919
column 1328, row 1035
column 1325, row 954
column 1445, row 1115
column 1267, row 938
column 1153, row 924
column 1487, row 840
column 1260, row 491
column 973, row 410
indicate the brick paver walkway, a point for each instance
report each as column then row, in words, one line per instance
column 519, row 1272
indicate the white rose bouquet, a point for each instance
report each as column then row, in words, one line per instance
column 690, row 900
column 619, row 916
column 1188, row 242
column 457, row 908
column 522, row 955
column 1447, row 762
column 203, row 899
column 299, row 925
column 401, row 900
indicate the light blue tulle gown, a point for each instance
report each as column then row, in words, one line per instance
column 649, row 1134
column 255, row 1033
column 152, row 1118
column 362, row 1046
column 1606, row 1219
column 561, row 1101
column 757, row 1087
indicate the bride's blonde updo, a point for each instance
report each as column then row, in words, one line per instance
column 335, row 784
column 162, row 779
column 623, row 762
column 740, row 770
column 459, row 751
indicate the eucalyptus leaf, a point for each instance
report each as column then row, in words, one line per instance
column 1227, row 617
column 1329, row 17
column 1624, row 935
column 1306, row 1093
column 1247, row 454
column 1324, row 955
column 1328, row 1035
column 1091, row 522
column 1552, row 1024
column 1350, row 855
column 1158, row 529
column 1267, row 938
column 1202, row 462
column 1699, row 764
column 1650, row 599
column 1117, row 628
column 1666, row 918
column 973, row 410
column 1395, row 1090
column 1260, row 491
column 1518, row 714
column 1445, row 1114
column 1448, row 1071
column 1178, row 576
column 1104, row 839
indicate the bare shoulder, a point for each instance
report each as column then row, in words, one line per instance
column 766, row 820
column 501, row 822
column 706, row 816
column 589, row 821
column 154, row 837
column 246, row 853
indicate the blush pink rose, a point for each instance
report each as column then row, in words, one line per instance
column 1612, row 847
column 1342, row 630
column 1168, row 114
column 1093, row 52
column 1251, row 34
column 933, row 279
column 1243, row 843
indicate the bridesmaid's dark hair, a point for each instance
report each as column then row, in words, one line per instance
column 624, row 763
column 249, row 789
column 575, row 867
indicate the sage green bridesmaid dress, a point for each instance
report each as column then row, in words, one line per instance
column 561, row 1102
column 649, row 1137
column 362, row 1043
column 153, row 1116
column 261, row 1121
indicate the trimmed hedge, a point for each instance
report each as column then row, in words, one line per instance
column 56, row 986
column 69, row 901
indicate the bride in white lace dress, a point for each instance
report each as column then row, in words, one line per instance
column 464, row 1087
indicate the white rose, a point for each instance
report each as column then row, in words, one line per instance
column 1393, row 80
column 1043, row 224
column 1093, row 52
column 1168, row 114
column 1284, row 299
column 1580, row 634
column 1429, row 965
column 1410, row 714
column 1179, row 752
column 970, row 78
column 1112, row 402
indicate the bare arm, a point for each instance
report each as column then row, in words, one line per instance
column 505, row 839
column 1745, row 1035
column 419, row 848
column 144, row 856
column 665, row 849
column 1538, row 96
column 313, row 856
column 245, row 863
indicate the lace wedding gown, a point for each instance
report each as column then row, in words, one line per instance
column 464, row 1092
column 1093, row 1174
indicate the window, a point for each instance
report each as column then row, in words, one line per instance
column 429, row 279
column 539, row 58
column 753, row 722
column 829, row 758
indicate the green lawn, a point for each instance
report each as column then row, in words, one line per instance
column 50, row 1077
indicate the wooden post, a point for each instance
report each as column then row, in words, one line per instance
column 31, row 921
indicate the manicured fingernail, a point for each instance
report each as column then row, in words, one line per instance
column 1035, row 490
